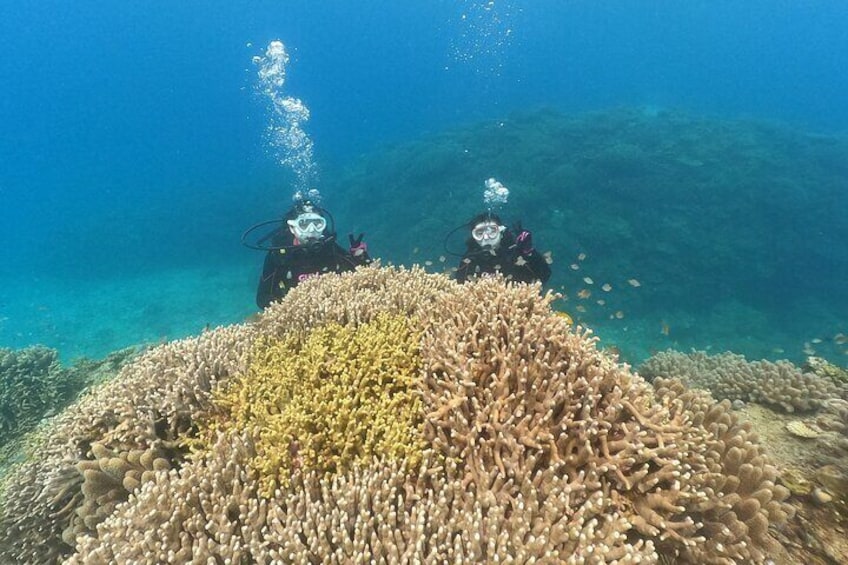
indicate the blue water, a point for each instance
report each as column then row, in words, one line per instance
column 133, row 156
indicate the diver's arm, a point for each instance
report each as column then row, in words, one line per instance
column 361, row 259
column 341, row 260
column 537, row 265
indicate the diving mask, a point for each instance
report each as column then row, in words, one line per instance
column 488, row 234
column 308, row 226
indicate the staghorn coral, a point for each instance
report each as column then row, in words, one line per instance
column 341, row 396
column 352, row 301
column 148, row 405
column 380, row 510
column 730, row 376
column 521, row 441
column 499, row 398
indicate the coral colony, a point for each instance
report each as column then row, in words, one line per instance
column 394, row 415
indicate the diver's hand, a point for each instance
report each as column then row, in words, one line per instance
column 524, row 242
column 357, row 246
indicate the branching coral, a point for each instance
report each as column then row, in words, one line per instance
column 29, row 386
column 401, row 417
column 729, row 376
column 345, row 395
column 153, row 401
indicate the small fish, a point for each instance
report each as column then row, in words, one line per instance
column 575, row 267
column 601, row 302
column 549, row 258
column 664, row 329
column 520, row 261
column 607, row 287
column 588, row 280
column 580, row 308
column 619, row 314
column 634, row 283
column 414, row 251
column 581, row 256
column 816, row 340
column 442, row 258
column 428, row 263
column 840, row 339
column 584, row 293
column 565, row 316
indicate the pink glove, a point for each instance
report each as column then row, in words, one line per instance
column 524, row 242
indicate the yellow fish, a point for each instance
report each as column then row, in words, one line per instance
column 565, row 316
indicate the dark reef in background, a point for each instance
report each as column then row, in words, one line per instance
column 735, row 230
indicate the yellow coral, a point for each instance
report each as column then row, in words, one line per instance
column 344, row 394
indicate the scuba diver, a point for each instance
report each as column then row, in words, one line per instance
column 303, row 247
column 493, row 248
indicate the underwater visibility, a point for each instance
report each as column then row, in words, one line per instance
column 448, row 282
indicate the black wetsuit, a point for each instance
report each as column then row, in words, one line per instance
column 507, row 259
column 285, row 268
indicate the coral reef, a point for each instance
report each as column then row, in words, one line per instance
column 147, row 407
column 676, row 200
column 814, row 469
column 34, row 386
column 823, row 368
column 747, row 480
column 29, row 387
column 731, row 376
column 392, row 415
column 806, row 441
column 342, row 396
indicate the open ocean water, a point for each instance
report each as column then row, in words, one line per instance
column 683, row 165
column 696, row 148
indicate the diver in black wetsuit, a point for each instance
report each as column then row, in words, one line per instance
column 306, row 249
column 494, row 248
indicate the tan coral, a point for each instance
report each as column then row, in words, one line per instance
column 744, row 497
column 537, row 447
column 729, row 376
column 150, row 403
